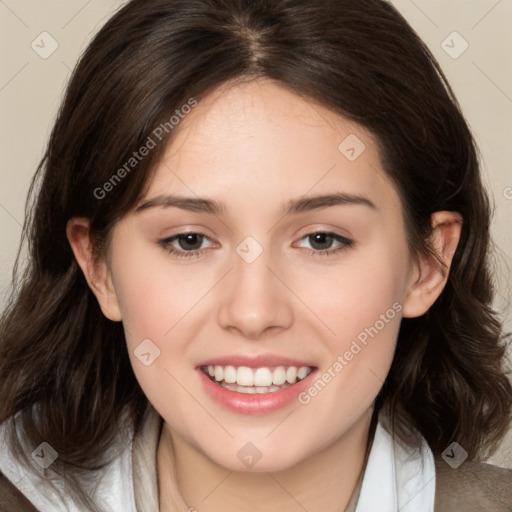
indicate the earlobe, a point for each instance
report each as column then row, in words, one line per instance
column 430, row 275
column 96, row 273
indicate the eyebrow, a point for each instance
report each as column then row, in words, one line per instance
column 295, row 206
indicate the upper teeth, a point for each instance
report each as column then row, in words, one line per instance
column 245, row 376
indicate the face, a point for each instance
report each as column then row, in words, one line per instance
column 270, row 251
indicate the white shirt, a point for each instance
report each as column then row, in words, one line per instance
column 396, row 477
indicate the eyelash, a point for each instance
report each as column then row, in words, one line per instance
column 166, row 245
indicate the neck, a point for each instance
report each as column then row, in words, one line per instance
column 324, row 481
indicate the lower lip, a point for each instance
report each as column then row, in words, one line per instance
column 255, row 403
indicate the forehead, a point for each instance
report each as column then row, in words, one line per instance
column 258, row 137
column 265, row 112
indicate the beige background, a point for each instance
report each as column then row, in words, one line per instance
column 31, row 89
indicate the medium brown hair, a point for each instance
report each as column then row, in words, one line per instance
column 361, row 60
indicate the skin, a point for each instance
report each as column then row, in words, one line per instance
column 255, row 146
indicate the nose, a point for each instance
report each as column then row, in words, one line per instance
column 254, row 302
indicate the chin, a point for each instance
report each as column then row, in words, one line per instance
column 251, row 457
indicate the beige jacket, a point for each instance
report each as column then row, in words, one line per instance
column 472, row 487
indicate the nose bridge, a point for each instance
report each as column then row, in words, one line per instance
column 254, row 300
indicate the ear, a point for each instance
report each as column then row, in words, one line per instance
column 429, row 278
column 96, row 272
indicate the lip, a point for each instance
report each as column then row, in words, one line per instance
column 257, row 403
column 259, row 361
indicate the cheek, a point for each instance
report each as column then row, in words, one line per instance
column 365, row 316
column 358, row 295
column 154, row 295
column 362, row 306
column 158, row 303
column 154, row 314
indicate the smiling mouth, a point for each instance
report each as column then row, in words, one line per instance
column 243, row 379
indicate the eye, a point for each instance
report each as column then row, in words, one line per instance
column 184, row 244
column 190, row 244
column 321, row 243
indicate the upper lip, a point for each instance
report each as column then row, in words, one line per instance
column 259, row 361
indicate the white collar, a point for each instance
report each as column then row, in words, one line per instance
column 396, row 478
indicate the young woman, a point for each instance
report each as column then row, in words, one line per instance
column 258, row 275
